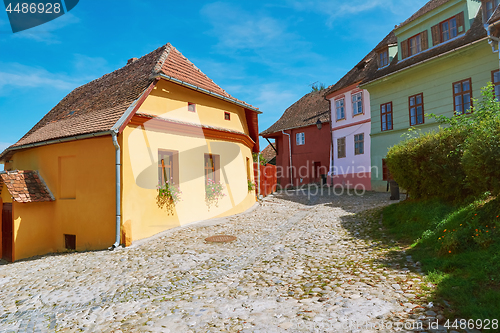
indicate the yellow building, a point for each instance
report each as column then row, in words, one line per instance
column 86, row 176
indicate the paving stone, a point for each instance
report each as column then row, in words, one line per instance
column 301, row 263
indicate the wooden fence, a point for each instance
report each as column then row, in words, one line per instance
column 268, row 178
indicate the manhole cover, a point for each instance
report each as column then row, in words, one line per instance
column 220, row 239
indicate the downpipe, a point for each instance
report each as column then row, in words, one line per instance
column 118, row 190
column 492, row 40
column 289, row 154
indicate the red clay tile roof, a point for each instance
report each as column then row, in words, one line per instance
column 366, row 66
column 26, row 186
column 98, row 105
column 269, row 153
column 475, row 33
column 430, row 6
column 304, row 112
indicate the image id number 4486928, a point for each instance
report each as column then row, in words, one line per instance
column 41, row 8
column 478, row 324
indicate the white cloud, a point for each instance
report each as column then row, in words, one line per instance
column 84, row 63
column 4, row 145
column 46, row 32
column 258, row 38
column 85, row 68
column 15, row 75
column 338, row 9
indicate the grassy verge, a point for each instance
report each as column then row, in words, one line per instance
column 458, row 247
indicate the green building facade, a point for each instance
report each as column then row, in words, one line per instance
column 443, row 60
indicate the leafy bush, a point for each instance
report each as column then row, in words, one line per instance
column 251, row 185
column 429, row 166
column 168, row 195
column 458, row 247
column 456, row 161
column 481, row 158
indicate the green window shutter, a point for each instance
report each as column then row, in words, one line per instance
column 436, row 35
column 404, row 49
column 424, row 40
column 460, row 23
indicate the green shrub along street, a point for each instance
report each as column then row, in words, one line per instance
column 458, row 247
column 451, row 220
column 459, row 160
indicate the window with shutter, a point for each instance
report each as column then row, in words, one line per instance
column 489, row 8
column 460, row 23
column 436, row 35
column 404, row 49
column 425, row 40
column 448, row 29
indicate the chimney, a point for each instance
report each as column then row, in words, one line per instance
column 131, row 61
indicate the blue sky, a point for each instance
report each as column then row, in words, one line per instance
column 265, row 53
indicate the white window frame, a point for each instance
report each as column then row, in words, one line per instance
column 340, row 109
column 300, row 139
column 357, row 104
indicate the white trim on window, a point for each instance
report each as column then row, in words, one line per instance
column 300, row 139
column 357, row 103
column 340, row 109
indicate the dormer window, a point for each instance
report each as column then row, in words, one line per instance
column 414, row 45
column 448, row 29
column 383, row 58
column 489, row 7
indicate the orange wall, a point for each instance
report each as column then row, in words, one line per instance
column 40, row 227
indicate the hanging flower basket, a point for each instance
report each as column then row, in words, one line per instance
column 168, row 196
column 251, row 185
column 214, row 191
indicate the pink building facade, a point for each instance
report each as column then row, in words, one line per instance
column 350, row 114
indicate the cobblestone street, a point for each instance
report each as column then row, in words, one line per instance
column 298, row 265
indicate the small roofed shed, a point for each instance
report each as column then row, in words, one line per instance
column 25, row 186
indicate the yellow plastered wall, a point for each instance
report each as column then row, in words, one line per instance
column 140, row 162
column 170, row 100
column 5, row 194
column 140, row 174
column 40, row 227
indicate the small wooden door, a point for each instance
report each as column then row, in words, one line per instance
column 7, row 231
column 316, row 170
